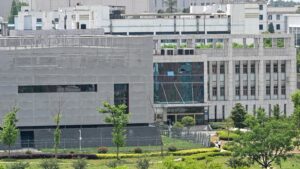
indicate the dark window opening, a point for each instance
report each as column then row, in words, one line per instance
column 268, row 68
column 268, row 90
column 121, row 95
column 222, row 69
column 252, row 68
column 57, row 88
column 237, row 69
column 237, row 91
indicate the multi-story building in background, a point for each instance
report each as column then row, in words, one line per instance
column 204, row 76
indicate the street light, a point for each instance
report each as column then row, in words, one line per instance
column 80, row 138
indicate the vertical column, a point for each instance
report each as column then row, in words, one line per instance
column 210, row 80
column 279, row 79
column 249, row 80
column 229, row 85
column 218, row 80
column 272, row 79
column 261, row 80
column 257, row 70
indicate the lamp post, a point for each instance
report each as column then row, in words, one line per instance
column 80, row 138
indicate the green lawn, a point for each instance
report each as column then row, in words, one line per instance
column 179, row 144
column 291, row 163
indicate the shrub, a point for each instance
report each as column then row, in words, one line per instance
column 138, row 150
column 212, row 144
column 217, row 125
column 194, row 151
column 143, row 163
column 49, row 164
column 19, row 165
column 203, row 156
column 112, row 164
column 80, row 164
column 172, row 148
column 228, row 146
column 72, row 152
column 2, row 167
column 102, row 150
column 223, row 135
column 28, row 152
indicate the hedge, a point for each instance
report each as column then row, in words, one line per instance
column 194, row 151
column 47, row 155
column 223, row 135
column 203, row 156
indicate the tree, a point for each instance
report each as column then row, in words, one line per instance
column 119, row 119
column 296, row 115
column 276, row 111
column 171, row 5
column 271, row 28
column 188, row 122
column 10, row 132
column 57, row 132
column 238, row 115
column 268, row 140
column 15, row 8
column 228, row 124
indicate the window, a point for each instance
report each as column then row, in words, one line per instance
column 246, row 107
column 253, row 68
column 38, row 28
column 57, row 88
column 268, row 68
column 275, row 68
column 277, row 17
column 278, row 26
column 252, row 91
column 283, row 90
column 261, row 17
column 38, row 20
column 245, row 68
column 261, row 27
column 270, row 17
column 254, row 109
column 223, row 112
column 237, row 90
column 56, row 20
column 214, row 69
column 214, row 90
column 222, row 69
column 237, row 68
column 216, row 109
column 268, row 90
column 275, row 90
column 261, row 7
column 245, row 90
column 121, row 95
column 222, row 91
column 283, row 68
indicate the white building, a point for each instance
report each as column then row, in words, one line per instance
column 233, row 18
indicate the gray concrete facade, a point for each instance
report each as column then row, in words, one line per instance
column 74, row 60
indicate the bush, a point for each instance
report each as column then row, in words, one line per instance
column 138, row 150
column 228, row 146
column 49, row 164
column 203, row 156
column 19, row 165
column 172, row 148
column 28, row 152
column 2, row 167
column 102, row 150
column 143, row 163
column 80, row 164
column 194, row 151
column 212, row 144
column 223, row 135
column 217, row 125
column 112, row 164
